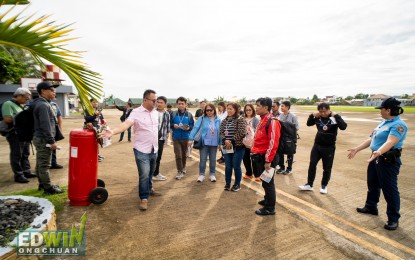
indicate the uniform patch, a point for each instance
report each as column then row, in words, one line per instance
column 400, row 129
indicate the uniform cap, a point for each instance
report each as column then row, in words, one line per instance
column 389, row 103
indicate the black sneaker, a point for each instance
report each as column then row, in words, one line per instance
column 227, row 187
column 264, row 212
column 56, row 166
column 40, row 187
column 29, row 175
column 280, row 171
column 53, row 190
column 21, row 179
column 365, row 210
column 236, row 188
column 391, row 225
column 221, row 161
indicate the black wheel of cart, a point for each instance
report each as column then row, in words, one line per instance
column 98, row 195
column 100, row 183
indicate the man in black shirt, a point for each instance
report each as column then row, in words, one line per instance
column 327, row 123
column 199, row 112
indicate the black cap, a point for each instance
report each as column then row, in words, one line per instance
column 389, row 103
column 45, row 85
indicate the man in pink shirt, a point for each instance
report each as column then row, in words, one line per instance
column 145, row 122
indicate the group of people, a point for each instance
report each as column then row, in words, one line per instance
column 47, row 123
column 224, row 129
column 220, row 128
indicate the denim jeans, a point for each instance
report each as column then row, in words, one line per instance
column 159, row 155
column 206, row 151
column 146, row 163
column 129, row 134
column 233, row 161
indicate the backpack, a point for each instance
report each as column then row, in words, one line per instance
column 248, row 140
column 24, row 124
column 288, row 137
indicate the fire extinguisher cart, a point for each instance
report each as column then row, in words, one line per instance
column 83, row 186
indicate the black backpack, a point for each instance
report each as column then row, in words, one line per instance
column 24, row 124
column 288, row 136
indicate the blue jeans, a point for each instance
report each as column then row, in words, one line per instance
column 146, row 163
column 206, row 151
column 233, row 161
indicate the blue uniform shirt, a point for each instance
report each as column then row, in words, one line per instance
column 380, row 134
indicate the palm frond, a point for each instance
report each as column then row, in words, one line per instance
column 43, row 40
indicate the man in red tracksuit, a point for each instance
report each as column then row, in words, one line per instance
column 267, row 137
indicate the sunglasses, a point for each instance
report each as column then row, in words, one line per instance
column 153, row 100
column 209, row 110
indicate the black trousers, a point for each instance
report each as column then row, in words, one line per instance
column 326, row 153
column 159, row 154
column 269, row 188
column 249, row 165
column 19, row 155
column 383, row 176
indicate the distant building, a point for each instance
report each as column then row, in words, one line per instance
column 356, row 102
column 63, row 94
column 375, row 100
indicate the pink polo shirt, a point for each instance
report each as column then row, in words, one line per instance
column 145, row 129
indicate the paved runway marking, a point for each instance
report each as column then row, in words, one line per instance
column 360, row 241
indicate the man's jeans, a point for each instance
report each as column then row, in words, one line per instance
column 43, row 157
column 159, row 154
column 233, row 161
column 146, row 163
column 19, row 155
column 205, row 151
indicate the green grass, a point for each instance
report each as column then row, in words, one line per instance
column 352, row 108
column 58, row 200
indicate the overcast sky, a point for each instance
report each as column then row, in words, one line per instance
column 244, row 48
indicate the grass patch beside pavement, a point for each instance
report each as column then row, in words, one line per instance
column 58, row 200
column 352, row 108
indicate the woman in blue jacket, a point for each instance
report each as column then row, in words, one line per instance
column 210, row 139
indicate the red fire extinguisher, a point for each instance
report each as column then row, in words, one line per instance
column 83, row 186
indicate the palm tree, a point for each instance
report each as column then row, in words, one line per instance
column 46, row 41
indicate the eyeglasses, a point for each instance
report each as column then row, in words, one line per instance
column 153, row 100
column 209, row 110
column 248, row 110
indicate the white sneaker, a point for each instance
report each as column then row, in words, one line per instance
column 179, row 175
column 323, row 189
column 201, row 178
column 159, row 177
column 306, row 187
column 212, row 178
column 184, row 171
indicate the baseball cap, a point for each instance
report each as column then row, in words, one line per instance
column 45, row 85
column 389, row 103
